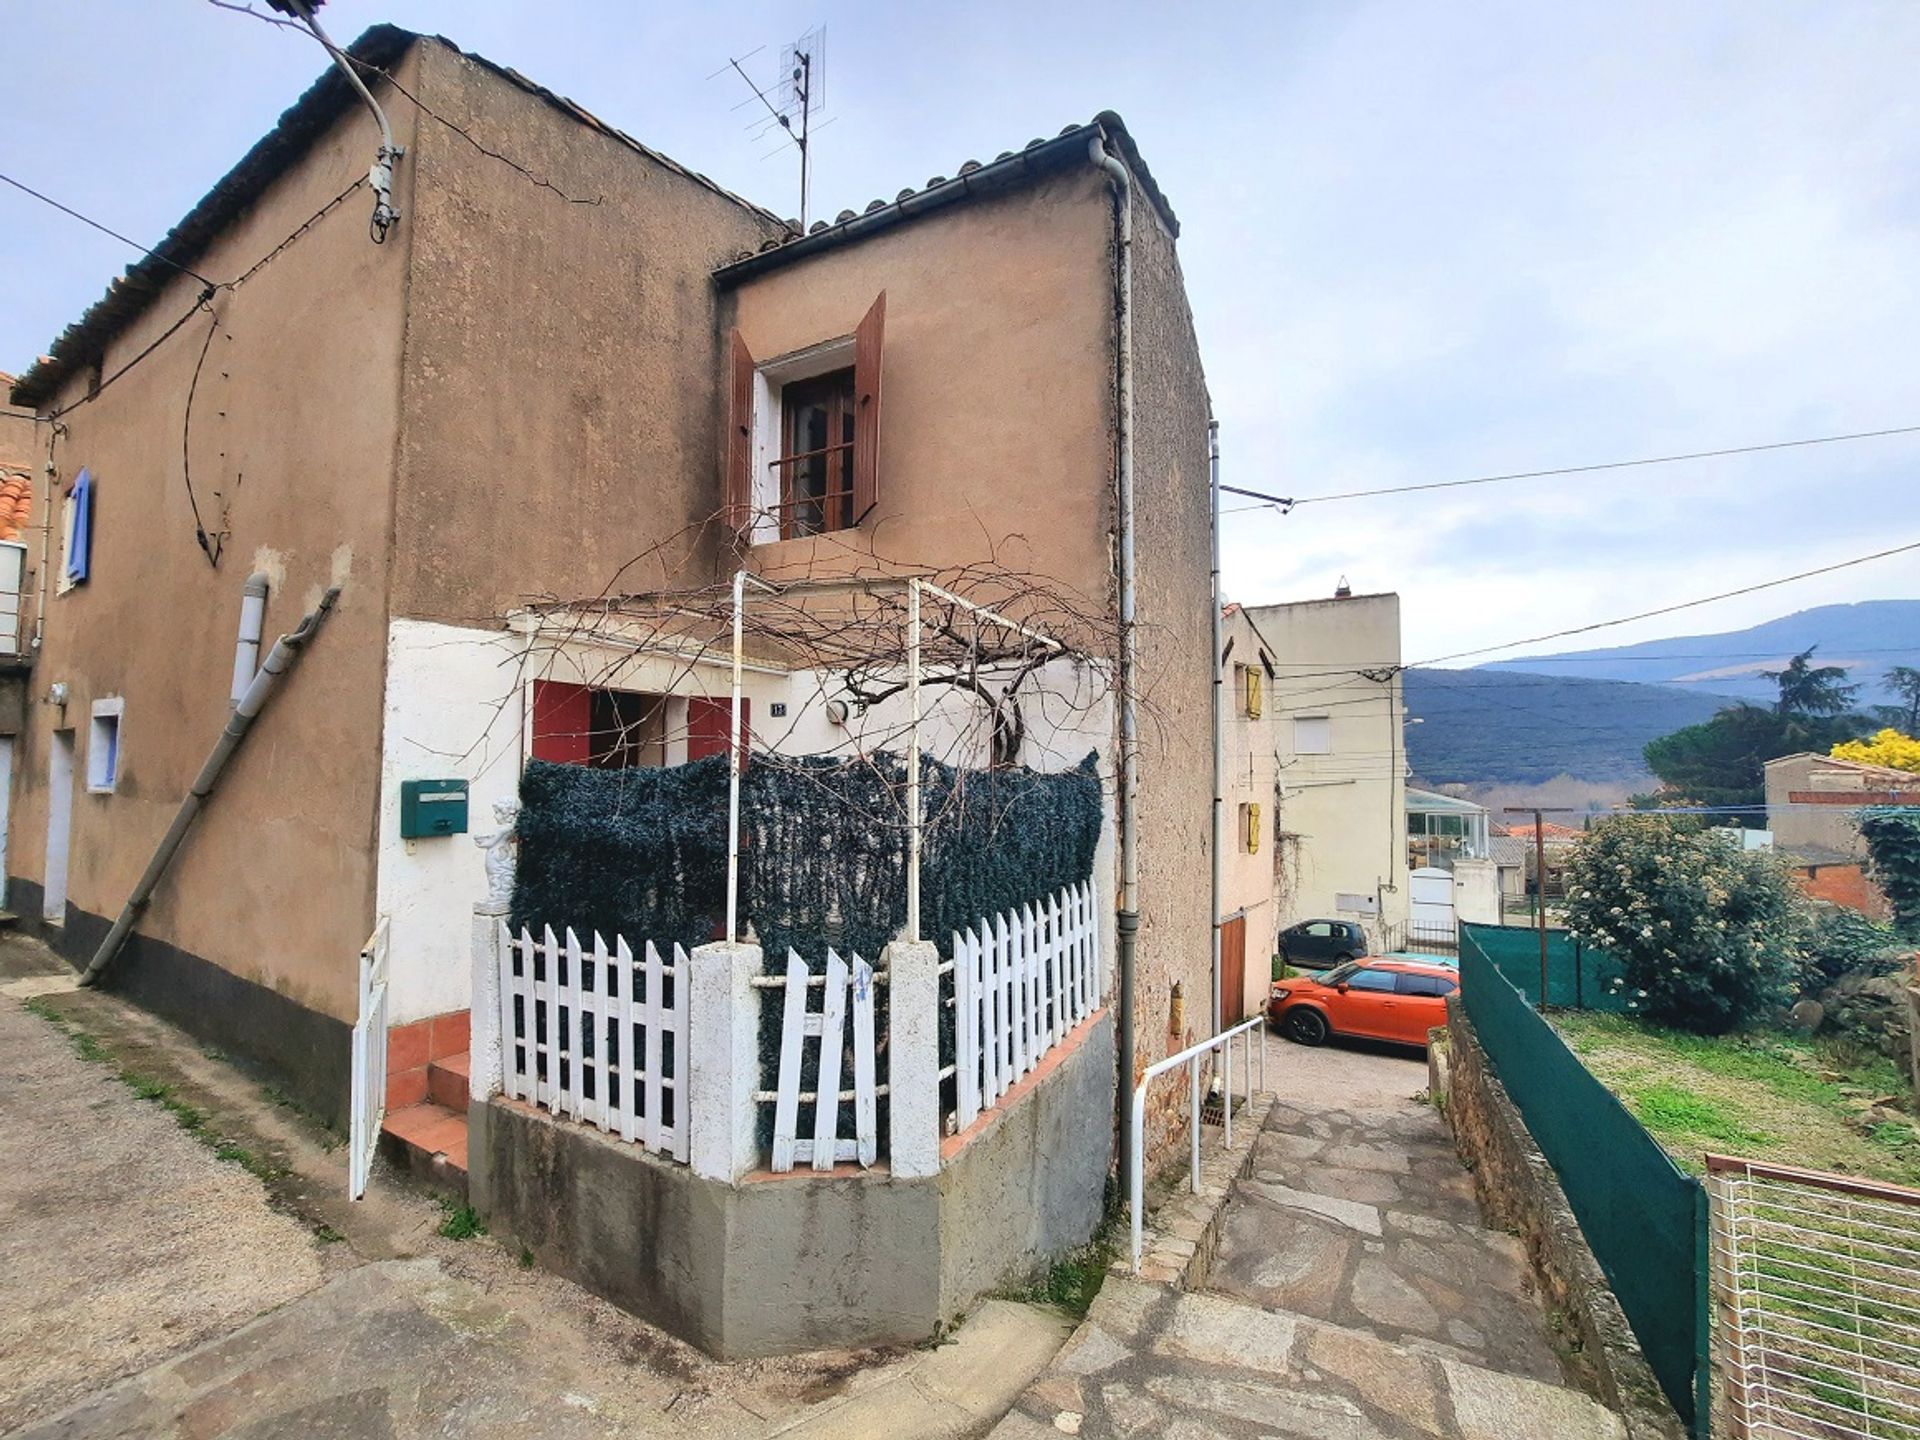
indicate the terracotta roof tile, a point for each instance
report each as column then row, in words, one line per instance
column 1008, row 168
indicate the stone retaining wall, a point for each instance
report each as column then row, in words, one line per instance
column 1519, row 1192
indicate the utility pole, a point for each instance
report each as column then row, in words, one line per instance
column 1539, row 889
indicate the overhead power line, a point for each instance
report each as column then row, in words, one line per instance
column 1286, row 503
column 103, row 229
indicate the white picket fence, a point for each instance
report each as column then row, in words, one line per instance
column 596, row 1034
column 840, row 1003
column 369, row 1062
column 1022, row 980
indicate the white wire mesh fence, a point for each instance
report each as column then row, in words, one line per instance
column 1818, row 1280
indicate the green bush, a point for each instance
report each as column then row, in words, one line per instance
column 1706, row 935
column 1893, row 847
column 1845, row 942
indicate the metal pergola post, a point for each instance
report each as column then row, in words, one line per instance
column 915, row 589
column 913, row 760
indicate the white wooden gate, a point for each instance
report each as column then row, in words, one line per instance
column 597, row 1034
column 367, row 1105
column 1021, row 981
column 827, row 1028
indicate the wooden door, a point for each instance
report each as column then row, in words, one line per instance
column 1233, row 971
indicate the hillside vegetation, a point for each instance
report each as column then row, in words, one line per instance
column 1481, row 727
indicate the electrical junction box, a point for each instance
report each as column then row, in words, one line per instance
column 432, row 807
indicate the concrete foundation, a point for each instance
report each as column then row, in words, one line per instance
column 779, row 1264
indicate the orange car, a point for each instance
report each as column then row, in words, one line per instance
column 1373, row 999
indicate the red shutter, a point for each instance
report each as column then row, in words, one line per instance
column 708, row 722
column 738, row 479
column 866, row 415
column 562, row 722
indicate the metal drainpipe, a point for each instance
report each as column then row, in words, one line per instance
column 48, row 519
column 1219, row 711
column 1127, row 916
column 280, row 659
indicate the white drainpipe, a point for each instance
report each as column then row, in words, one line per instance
column 246, row 650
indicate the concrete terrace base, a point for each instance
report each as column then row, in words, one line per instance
column 779, row 1264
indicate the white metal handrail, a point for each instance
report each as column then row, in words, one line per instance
column 1190, row 1057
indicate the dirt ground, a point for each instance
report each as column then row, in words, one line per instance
column 177, row 1257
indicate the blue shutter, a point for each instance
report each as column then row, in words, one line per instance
column 80, row 551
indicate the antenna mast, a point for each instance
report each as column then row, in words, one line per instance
column 802, row 93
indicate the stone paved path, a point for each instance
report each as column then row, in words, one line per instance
column 1354, row 1296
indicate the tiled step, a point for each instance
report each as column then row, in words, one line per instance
column 447, row 1082
column 428, row 1141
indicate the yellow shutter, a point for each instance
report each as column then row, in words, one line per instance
column 1253, row 692
column 1253, row 829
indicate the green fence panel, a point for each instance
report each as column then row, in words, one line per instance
column 1579, row 977
column 1639, row 1212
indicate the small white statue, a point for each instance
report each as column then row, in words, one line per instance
column 501, row 849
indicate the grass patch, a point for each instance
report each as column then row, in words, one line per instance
column 461, row 1223
column 1669, row 1108
column 1767, row 1096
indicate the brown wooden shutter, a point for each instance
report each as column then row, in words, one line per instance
column 866, row 415
column 738, row 479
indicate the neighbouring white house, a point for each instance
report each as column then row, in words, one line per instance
column 1315, row 766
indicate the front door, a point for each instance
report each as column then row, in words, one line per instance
column 59, row 824
column 1233, row 971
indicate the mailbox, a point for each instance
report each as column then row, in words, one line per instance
column 432, row 807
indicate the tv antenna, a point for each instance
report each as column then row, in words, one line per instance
column 799, row 94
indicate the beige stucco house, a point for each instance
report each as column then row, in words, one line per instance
column 1314, row 792
column 1812, row 802
column 570, row 371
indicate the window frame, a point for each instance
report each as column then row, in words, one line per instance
column 1390, row 976
column 1326, row 731
column 104, row 720
column 839, row 390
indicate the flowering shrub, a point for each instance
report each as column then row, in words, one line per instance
column 1706, row 934
column 1889, row 748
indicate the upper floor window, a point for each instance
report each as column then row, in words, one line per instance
column 814, row 474
column 803, row 435
column 1312, row 735
column 1250, row 690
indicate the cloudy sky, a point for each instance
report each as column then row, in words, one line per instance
column 1423, row 242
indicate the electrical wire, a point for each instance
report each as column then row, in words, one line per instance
column 1286, row 504
column 104, row 229
column 1671, row 609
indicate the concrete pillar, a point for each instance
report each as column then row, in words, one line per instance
column 723, row 1061
column 486, row 1077
column 913, row 1056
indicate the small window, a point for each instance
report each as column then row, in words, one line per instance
column 1250, row 828
column 1382, row 980
column 103, row 746
column 1321, row 930
column 1428, row 985
column 1356, row 904
column 1312, row 735
column 815, row 468
column 1250, row 694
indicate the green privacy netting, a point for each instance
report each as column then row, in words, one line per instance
column 823, row 854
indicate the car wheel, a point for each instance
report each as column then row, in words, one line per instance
column 1304, row 1026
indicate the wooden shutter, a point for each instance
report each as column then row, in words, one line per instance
column 738, row 480
column 562, row 722
column 866, row 414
